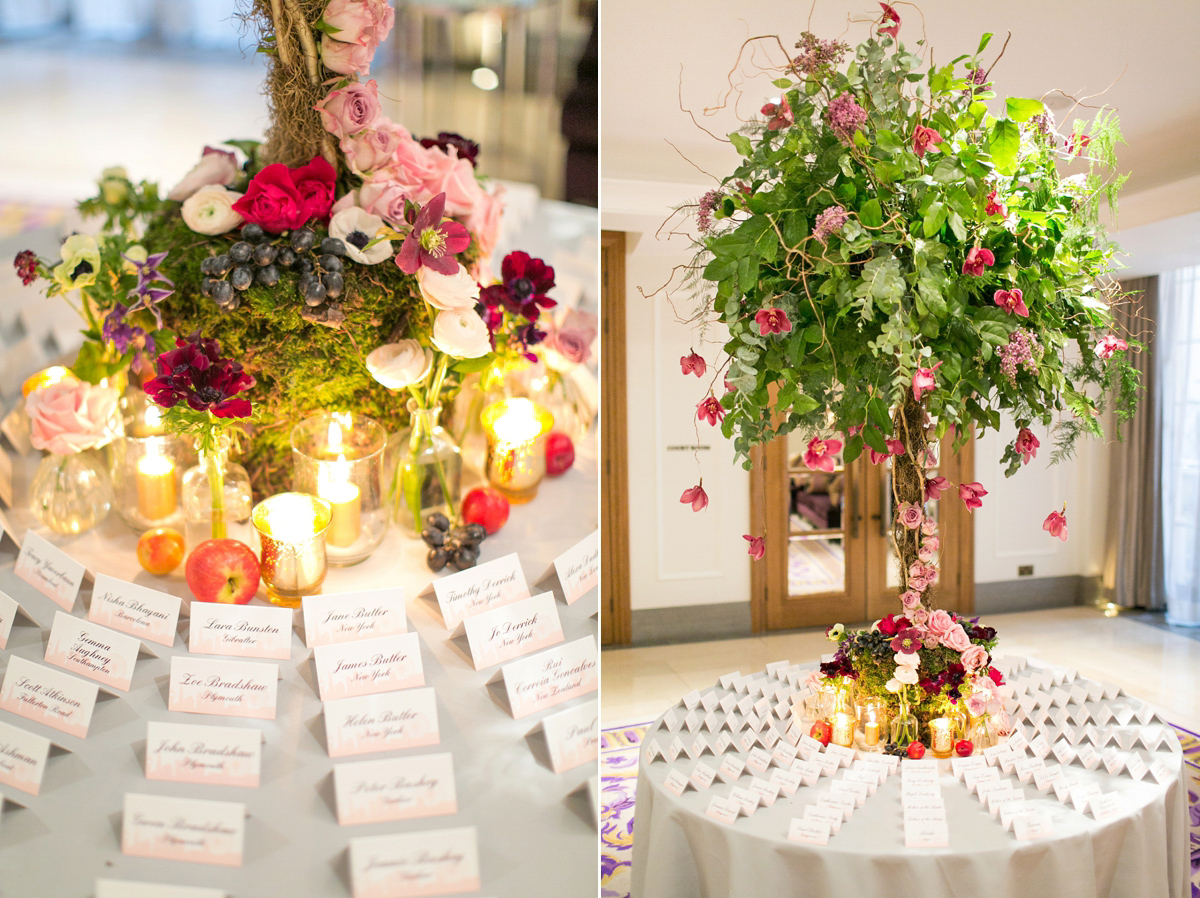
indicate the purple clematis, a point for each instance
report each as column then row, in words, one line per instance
column 433, row 242
column 148, row 296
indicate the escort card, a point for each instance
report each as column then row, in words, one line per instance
column 395, row 789
column 1033, row 825
column 573, row 736
column 22, row 758
column 90, row 650
column 1105, row 806
column 788, row 780
column 1161, row 772
column 746, row 800
column 45, row 695
column 552, row 677
column 6, row 478
column 115, row 888
column 9, row 610
column 248, row 631
column 723, row 810
column 49, row 570
column 481, row 588
column 211, row 755
column 811, row 832
column 231, row 688
column 765, row 790
column 368, row 666
column 517, row 629
column 390, row 720
column 844, row 803
column 926, row 834
column 348, row 616
column 702, row 776
column 828, row 815
column 676, row 782
column 579, row 568
column 183, row 829
column 145, row 613
column 425, row 862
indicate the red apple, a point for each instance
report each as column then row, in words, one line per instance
column 916, row 750
column 560, row 453
column 821, row 731
column 485, row 506
column 964, row 748
column 223, row 570
column 160, row 550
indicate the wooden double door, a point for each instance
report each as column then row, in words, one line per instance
column 839, row 565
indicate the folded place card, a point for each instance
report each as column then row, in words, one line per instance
column 702, row 776
column 395, row 789
column 1033, row 825
column 196, row 753
column 10, row 610
column 676, row 782
column 551, row 677
column 349, row 616
column 724, row 810
column 92, row 651
column 405, row 865
column 766, row 791
column 6, row 478
column 579, row 568
column 812, row 832
column 248, row 631
column 48, row 696
column 115, row 888
column 746, row 800
column 230, row 688
column 573, row 736
column 363, row 724
column 183, row 829
column 931, row 834
column 49, row 570
column 145, row 613
column 789, row 781
column 22, row 758
column 831, row 816
column 731, row 768
column 517, row 629
column 481, row 588
column 368, row 666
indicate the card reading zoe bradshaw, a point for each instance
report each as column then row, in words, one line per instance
column 231, row 688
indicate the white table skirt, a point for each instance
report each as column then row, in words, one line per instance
column 679, row 852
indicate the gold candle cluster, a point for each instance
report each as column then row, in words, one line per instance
column 291, row 528
column 516, row 456
column 155, row 480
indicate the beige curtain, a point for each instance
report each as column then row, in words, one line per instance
column 1133, row 563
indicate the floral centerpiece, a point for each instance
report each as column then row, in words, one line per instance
column 897, row 258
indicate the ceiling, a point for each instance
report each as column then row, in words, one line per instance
column 660, row 55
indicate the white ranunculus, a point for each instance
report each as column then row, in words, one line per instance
column 210, row 210
column 356, row 228
column 461, row 334
column 400, row 365
column 448, row 291
column 906, row 675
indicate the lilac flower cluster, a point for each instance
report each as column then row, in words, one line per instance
column 708, row 203
column 829, row 222
column 816, row 55
column 845, row 116
column 1021, row 351
column 1043, row 124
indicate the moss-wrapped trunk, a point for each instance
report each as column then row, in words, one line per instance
column 908, row 483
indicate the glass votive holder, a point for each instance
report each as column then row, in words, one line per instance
column 291, row 531
column 338, row 456
column 147, row 478
column 516, row 456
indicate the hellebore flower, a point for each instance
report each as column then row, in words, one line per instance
column 977, row 259
column 710, row 409
column 525, row 283
column 772, row 321
column 432, row 242
column 780, row 115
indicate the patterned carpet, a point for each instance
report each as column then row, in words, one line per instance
column 619, row 752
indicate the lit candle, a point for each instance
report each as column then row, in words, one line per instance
column 291, row 528
column 149, row 423
column 843, row 729
column 941, row 744
column 333, row 485
column 871, row 728
column 516, row 459
column 155, row 487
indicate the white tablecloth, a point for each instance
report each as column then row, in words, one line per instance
column 679, row 852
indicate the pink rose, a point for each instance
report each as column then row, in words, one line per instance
column 940, row 623
column 920, row 584
column 919, row 616
column 1002, row 724
column 572, row 339
column 925, row 554
column 977, row 703
column 215, row 167
column 956, row 639
column 345, row 59
column 929, row 528
column 910, row 515
column 454, row 177
column 931, row 641
column 364, row 22
column 973, row 657
column 484, row 220
column 910, row 599
column 932, row 543
column 385, row 198
column 351, row 109
column 372, row 148
column 66, row 418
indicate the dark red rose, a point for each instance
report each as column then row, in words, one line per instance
column 315, row 184
column 272, row 200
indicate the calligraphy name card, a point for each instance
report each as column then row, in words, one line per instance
column 145, row 613
column 395, row 789
column 195, row 753
column 231, row 688
column 49, row 570
column 9, row 611
column 115, row 888
column 350, row 616
column 248, row 631
column 391, row 720
column 425, row 862
column 573, row 736
column 552, row 677
column 481, row 588
column 368, row 666
column 48, row 696
column 578, row 568
column 514, row 630
column 90, row 650
column 22, row 758
column 183, row 829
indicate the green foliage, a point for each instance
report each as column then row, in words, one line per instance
column 886, row 293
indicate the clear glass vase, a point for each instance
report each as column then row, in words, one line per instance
column 982, row 732
column 70, row 493
column 570, row 396
column 905, row 727
column 426, row 470
column 216, row 498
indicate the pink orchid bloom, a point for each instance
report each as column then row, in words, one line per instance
column 1056, row 524
column 934, row 487
column 970, row 493
column 924, row 382
column 994, row 206
column 853, row 430
column 977, row 258
column 877, row 457
column 1076, row 145
column 780, row 115
column 758, row 546
column 819, row 454
column 772, row 321
column 693, row 364
column 1110, row 344
column 924, row 139
column 1012, row 302
column 710, row 409
column 889, row 15
column 895, row 447
column 1026, row 445
column 696, row 497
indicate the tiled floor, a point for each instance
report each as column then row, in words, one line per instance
column 1153, row 663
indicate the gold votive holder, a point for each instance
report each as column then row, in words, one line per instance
column 516, row 456
column 291, row 530
column 338, row 456
column 941, row 737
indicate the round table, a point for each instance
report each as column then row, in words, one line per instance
column 681, row 852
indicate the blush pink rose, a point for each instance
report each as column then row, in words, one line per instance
column 973, row 657
column 910, row 599
column 940, row 623
column 385, row 198
column 956, row 639
column 372, row 149
column 920, row 584
column 344, row 58
column 484, row 220
column 66, row 418
column 365, row 22
column 919, row 616
column 413, row 164
column 351, row 109
column 215, row 167
column 573, row 338
column 454, row 177
column 910, row 515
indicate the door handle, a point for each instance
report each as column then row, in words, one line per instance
column 852, row 508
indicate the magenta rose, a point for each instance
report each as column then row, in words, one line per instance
column 956, row 639
column 315, row 183
column 351, row 109
column 215, row 167
column 372, row 149
column 66, row 418
column 345, row 59
column 940, row 623
column 974, row 657
column 272, row 200
column 365, row 22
